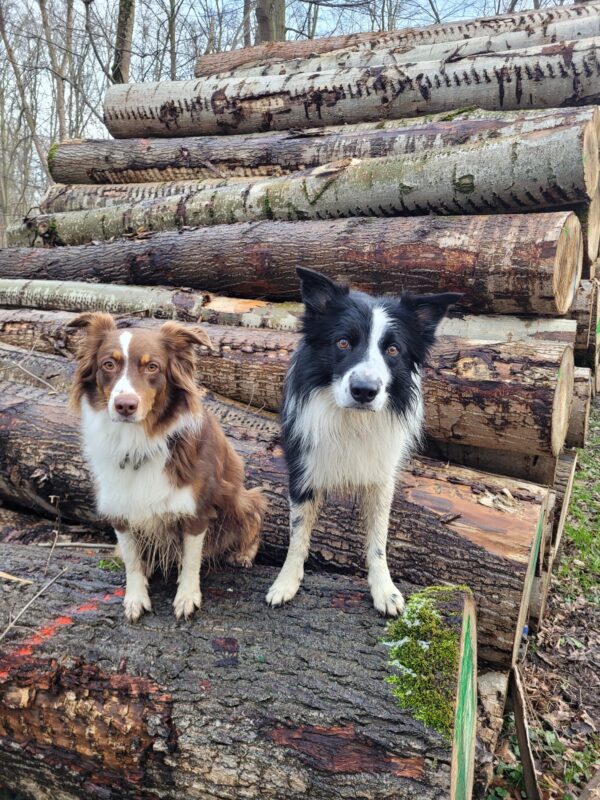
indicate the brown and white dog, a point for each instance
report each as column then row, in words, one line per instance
column 166, row 477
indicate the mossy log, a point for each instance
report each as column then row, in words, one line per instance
column 512, row 396
column 581, row 16
column 114, row 161
column 519, row 263
column 222, row 707
column 580, row 408
column 447, row 523
column 544, row 169
column 562, row 74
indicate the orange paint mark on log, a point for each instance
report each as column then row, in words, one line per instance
column 342, row 750
column 91, row 606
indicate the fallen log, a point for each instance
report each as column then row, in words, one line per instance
column 447, row 523
column 589, row 217
column 520, row 263
column 563, row 487
column 411, row 53
column 492, row 689
column 580, row 408
column 544, row 169
column 564, row 74
column 148, row 300
column 17, row 527
column 581, row 17
column 582, row 312
column 118, row 724
column 539, row 469
column 114, row 161
column 512, row 396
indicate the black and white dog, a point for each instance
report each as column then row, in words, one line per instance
column 352, row 413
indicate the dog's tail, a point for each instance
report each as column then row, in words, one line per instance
column 249, row 512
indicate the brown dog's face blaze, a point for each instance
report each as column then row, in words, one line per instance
column 138, row 375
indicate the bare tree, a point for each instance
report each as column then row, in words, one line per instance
column 123, row 42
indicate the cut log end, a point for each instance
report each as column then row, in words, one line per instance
column 568, row 264
column 590, row 158
column 563, row 396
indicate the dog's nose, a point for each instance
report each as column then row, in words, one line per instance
column 126, row 405
column 364, row 391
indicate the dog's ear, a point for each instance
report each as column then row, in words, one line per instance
column 431, row 308
column 93, row 322
column 181, row 335
column 318, row 291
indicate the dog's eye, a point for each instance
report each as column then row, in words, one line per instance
column 343, row 344
column 152, row 367
column 392, row 351
column 109, row 365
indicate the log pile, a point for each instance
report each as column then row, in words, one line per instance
column 363, row 157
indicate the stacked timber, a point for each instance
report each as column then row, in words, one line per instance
column 461, row 157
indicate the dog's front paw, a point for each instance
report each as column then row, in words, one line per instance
column 387, row 599
column 186, row 601
column 135, row 602
column 284, row 589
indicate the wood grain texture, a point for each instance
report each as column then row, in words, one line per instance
column 222, row 707
column 447, row 524
column 520, row 263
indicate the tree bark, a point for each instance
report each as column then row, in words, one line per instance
column 580, row 409
column 522, row 263
column 589, row 217
column 581, row 312
column 412, row 53
column 563, row 487
column 451, row 181
column 123, row 41
column 270, row 21
column 513, row 396
column 536, row 468
column 447, row 523
column 17, row 527
column 222, row 706
column 564, row 74
column 97, row 161
column 529, row 22
column 148, row 300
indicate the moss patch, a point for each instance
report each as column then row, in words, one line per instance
column 52, row 156
column 423, row 657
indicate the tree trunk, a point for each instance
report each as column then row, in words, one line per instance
column 564, row 74
column 589, row 217
column 539, row 469
column 198, row 157
column 581, row 312
column 580, row 409
column 563, row 487
column 529, row 22
column 466, row 388
column 270, row 21
column 504, row 328
column 447, row 523
column 542, row 170
column 522, row 263
column 222, row 707
column 384, row 55
column 148, row 300
column 19, row 528
column 122, row 59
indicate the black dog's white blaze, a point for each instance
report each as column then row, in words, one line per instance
column 352, row 413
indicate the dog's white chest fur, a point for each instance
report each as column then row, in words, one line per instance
column 347, row 448
column 140, row 496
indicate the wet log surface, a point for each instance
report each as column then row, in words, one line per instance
column 518, row 263
column 513, row 396
column 274, row 52
column 243, row 701
column 447, row 524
